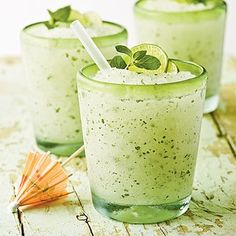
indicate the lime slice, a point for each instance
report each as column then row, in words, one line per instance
column 76, row 15
column 172, row 67
column 152, row 50
column 92, row 19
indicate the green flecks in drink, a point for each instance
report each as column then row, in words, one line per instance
column 74, row 58
column 139, row 100
column 70, row 57
column 85, row 61
column 58, row 109
column 72, row 117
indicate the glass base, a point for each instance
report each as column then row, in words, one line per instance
column 58, row 148
column 211, row 103
column 141, row 214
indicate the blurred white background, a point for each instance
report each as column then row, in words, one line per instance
column 14, row 14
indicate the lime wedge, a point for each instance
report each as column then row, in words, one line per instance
column 172, row 67
column 152, row 50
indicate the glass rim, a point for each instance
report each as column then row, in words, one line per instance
column 84, row 80
column 122, row 33
column 218, row 4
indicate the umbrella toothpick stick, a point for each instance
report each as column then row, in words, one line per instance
column 72, row 156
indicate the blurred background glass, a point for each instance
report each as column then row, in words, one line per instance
column 14, row 15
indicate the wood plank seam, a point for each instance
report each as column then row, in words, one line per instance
column 214, row 213
column 127, row 230
column 18, row 215
column 82, row 216
column 223, row 133
column 162, row 229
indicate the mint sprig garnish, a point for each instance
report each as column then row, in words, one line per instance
column 60, row 15
column 139, row 59
column 67, row 15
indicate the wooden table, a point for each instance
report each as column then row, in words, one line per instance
column 213, row 207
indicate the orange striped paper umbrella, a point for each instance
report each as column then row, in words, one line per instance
column 43, row 180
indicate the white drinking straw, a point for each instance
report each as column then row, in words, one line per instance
column 89, row 45
column 98, row 58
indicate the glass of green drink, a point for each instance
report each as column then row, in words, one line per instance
column 52, row 57
column 189, row 30
column 141, row 137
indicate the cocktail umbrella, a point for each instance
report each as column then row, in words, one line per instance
column 43, row 180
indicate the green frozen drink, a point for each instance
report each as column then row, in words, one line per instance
column 52, row 56
column 141, row 134
column 191, row 30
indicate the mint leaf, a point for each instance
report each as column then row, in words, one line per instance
column 49, row 25
column 61, row 14
column 139, row 54
column 148, row 62
column 118, row 62
column 124, row 49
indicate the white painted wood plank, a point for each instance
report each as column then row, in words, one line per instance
column 9, row 140
column 55, row 219
column 8, row 224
